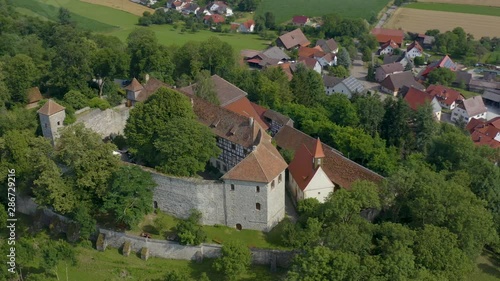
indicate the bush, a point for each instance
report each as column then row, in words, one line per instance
column 99, row 103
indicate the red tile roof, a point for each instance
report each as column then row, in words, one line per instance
column 300, row 19
column 444, row 95
column 50, row 107
column 301, row 168
column 416, row 98
column 338, row 168
column 262, row 165
column 383, row 35
column 244, row 107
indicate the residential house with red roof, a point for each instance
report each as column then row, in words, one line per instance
column 445, row 62
column 293, row 39
column 446, row 97
column 414, row 50
column 300, row 20
column 485, row 132
column 417, row 98
column 388, row 48
column 307, row 178
column 385, row 35
column 468, row 109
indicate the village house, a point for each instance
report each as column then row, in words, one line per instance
column 414, row 50
column 417, row 98
column 399, row 83
column 347, row 86
column 468, row 109
column 445, row 62
column 300, row 20
column 34, row 97
column 328, row 46
column 385, row 35
column 341, row 171
column 307, row 178
column 388, row 48
column 136, row 92
column 485, row 132
column 293, row 39
column 387, row 69
column 446, row 97
column 245, row 27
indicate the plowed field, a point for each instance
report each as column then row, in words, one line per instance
column 414, row 20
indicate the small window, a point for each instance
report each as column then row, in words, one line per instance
column 257, row 206
column 232, row 187
column 257, row 189
column 279, row 178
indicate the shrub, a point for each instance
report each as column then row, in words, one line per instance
column 99, row 103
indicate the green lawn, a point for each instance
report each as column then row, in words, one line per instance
column 119, row 23
column 110, row 265
column 216, row 234
column 488, row 268
column 457, row 8
column 284, row 10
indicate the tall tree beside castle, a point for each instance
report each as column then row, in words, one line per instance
column 164, row 133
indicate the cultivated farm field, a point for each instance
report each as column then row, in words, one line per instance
column 124, row 5
column 415, row 20
column 494, row 3
column 457, row 8
column 284, row 10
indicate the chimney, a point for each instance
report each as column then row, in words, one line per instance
column 251, row 121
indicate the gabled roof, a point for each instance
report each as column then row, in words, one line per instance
column 244, row 107
column 300, row 19
column 473, row 106
column 50, row 107
column 415, row 44
column 330, row 81
column 293, row 39
column 262, row 165
column 339, row 169
column 416, row 98
column 353, row 85
column 392, row 68
column 397, row 81
column 226, row 92
column 34, row 95
column 134, row 86
column 446, row 62
column 383, row 35
column 444, row 95
column 327, row 46
column 390, row 43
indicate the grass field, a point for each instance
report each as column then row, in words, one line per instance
column 110, row 265
column 216, row 234
column 284, row 10
column 118, row 23
column 457, row 8
column 493, row 3
column 416, row 20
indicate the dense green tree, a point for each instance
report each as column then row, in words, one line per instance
column 20, row 74
column 164, row 133
column 89, row 160
column 442, row 76
column 130, row 195
column 307, row 86
column 342, row 111
column 234, row 261
column 205, row 87
column 189, row 230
